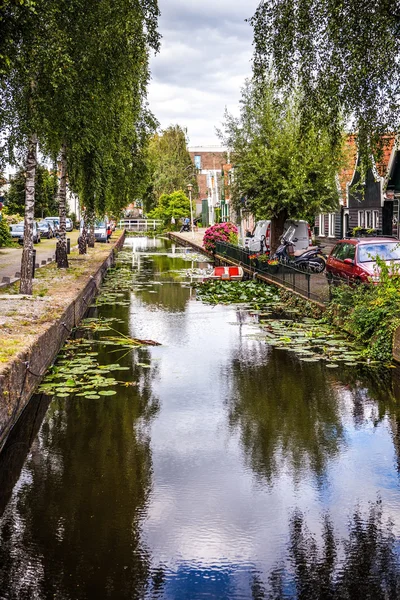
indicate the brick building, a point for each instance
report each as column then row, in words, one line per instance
column 210, row 163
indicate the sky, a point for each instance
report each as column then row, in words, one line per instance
column 205, row 57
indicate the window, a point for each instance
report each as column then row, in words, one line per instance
column 197, row 161
column 350, row 251
column 375, row 219
column 331, row 225
column 322, row 225
column 361, row 218
column 341, row 252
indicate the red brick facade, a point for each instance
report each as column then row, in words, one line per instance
column 209, row 160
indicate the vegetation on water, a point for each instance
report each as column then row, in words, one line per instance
column 309, row 338
column 253, row 293
column 371, row 313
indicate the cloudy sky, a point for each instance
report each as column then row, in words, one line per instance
column 205, row 57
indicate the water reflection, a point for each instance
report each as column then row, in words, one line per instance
column 206, row 475
column 288, row 413
column 364, row 566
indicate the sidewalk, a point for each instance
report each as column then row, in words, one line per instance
column 196, row 237
column 10, row 258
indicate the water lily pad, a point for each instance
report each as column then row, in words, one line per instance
column 107, row 392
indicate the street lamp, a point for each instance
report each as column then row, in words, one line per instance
column 190, row 188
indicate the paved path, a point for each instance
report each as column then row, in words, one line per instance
column 196, row 237
column 10, row 258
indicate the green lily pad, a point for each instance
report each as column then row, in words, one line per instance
column 107, row 393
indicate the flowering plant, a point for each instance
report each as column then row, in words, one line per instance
column 263, row 258
column 253, row 256
column 273, row 261
column 221, row 232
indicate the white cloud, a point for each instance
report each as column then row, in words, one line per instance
column 204, row 60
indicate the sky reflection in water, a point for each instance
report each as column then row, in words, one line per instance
column 230, row 470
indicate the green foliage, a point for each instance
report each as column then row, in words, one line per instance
column 280, row 169
column 169, row 166
column 175, row 205
column 5, row 237
column 370, row 312
column 345, row 61
column 45, row 193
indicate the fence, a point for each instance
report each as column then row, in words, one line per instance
column 310, row 285
column 140, row 224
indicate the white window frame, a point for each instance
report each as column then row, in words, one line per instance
column 368, row 219
column 361, row 218
column 322, row 225
column 331, row 225
column 375, row 219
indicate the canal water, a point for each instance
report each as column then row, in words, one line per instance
column 222, row 468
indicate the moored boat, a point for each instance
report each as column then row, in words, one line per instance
column 227, row 273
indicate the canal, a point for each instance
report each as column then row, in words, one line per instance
column 221, row 467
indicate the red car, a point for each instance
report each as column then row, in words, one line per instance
column 353, row 259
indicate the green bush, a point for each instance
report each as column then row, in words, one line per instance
column 175, row 205
column 5, row 237
column 371, row 313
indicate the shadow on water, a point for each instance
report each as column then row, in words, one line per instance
column 72, row 527
column 18, row 444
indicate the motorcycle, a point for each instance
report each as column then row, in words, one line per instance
column 312, row 260
column 185, row 227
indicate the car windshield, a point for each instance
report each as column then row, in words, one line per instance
column 18, row 227
column 43, row 224
column 385, row 251
column 100, row 224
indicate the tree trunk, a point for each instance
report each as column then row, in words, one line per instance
column 277, row 227
column 82, row 240
column 61, row 250
column 91, row 239
column 27, row 252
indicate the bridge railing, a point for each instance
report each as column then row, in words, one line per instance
column 140, row 224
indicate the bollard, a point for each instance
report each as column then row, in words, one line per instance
column 68, row 245
column 33, row 263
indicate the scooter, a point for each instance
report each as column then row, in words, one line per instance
column 312, row 260
column 185, row 227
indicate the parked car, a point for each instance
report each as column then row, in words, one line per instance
column 55, row 222
column 353, row 259
column 17, row 232
column 260, row 238
column 101, row 231
column 46, row 230
column 68, row 224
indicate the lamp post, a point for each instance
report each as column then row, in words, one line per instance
column 190, row 188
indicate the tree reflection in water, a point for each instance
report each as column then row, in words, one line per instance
column 365, row 566
column 286, row 411
column 73, row 526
